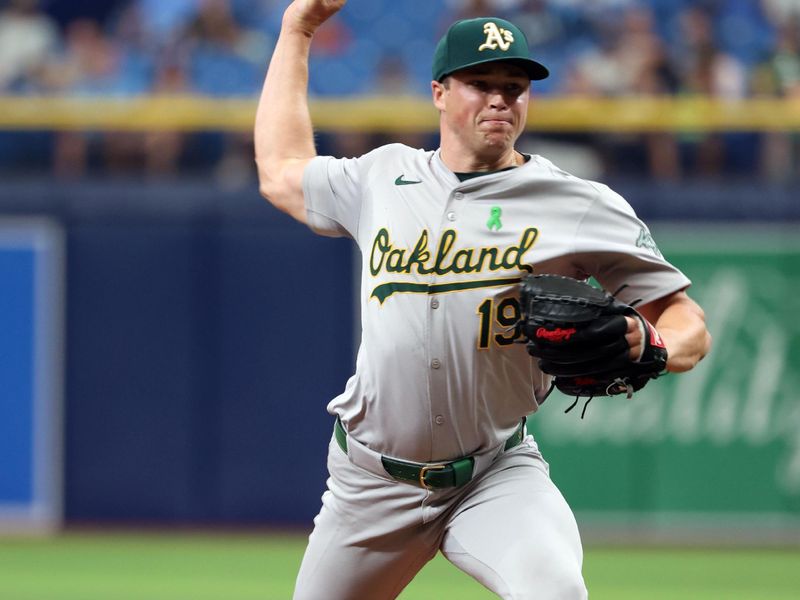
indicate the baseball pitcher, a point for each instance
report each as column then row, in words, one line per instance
column 473, row 307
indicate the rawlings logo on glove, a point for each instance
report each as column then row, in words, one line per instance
column 577, row 333
column 555, row 335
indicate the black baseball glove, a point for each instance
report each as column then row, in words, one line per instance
column 578, row 331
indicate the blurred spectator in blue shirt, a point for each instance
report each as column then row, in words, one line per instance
column 225, row 58
column 164, row 20
column 89, row 63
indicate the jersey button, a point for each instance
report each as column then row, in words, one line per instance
column 439, row 420
column 435, row 303
column 451, row 216
column 435, row 363
column 458, row 196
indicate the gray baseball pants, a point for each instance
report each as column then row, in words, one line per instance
column 509, row 528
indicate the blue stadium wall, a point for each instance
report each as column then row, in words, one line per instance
column 205, row 332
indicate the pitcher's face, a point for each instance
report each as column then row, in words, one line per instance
column 485, row 107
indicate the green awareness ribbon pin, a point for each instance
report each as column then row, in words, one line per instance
column 494, row 219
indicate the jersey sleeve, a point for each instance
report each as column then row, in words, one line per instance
column 333, row 196
column 615, row 247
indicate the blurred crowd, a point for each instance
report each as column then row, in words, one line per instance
column 720, row 48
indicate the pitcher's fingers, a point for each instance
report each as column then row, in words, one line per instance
column 635, row 338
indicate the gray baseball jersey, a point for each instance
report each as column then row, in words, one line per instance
column 438, row 374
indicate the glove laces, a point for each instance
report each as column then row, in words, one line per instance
column 583, row 412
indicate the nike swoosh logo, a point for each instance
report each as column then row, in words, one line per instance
column 401, row 181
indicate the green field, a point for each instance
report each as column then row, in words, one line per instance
column 188, row 566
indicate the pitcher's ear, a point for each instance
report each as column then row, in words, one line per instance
column 438, row 90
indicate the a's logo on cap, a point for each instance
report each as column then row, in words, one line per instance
column 496, row 37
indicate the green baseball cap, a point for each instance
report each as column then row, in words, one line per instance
column 487, row 39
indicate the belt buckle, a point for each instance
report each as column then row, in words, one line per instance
column 424, row 470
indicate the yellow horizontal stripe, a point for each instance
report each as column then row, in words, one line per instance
column 412, row 114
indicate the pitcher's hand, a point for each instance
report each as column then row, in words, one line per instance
column 635, row 337
column 308, row 15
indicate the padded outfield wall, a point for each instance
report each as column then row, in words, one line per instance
column 204, row 333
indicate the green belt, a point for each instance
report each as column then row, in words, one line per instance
column 431, row 476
